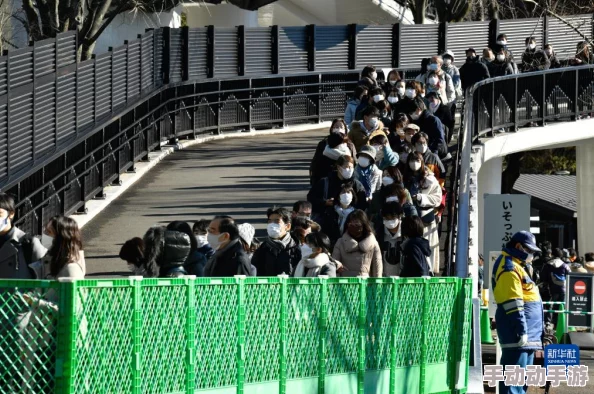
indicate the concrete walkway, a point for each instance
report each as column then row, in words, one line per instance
column 240, row 177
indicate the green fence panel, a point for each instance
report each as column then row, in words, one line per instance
column 236, row 335
column 28, row 336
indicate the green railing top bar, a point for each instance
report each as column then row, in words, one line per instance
column 193, row 335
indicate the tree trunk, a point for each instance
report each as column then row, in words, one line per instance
column 512, row 172
column 420, row 11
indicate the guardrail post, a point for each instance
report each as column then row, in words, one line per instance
column 241, row 50
column 191, row 334
column 516, row 118
column 576, row 106
column 352, row 46
column 185, row 32
column 425, row 319
column 311, row 47
column 396, row 33
column 282, row 363
column 66, row 361
column 393, row 334
column 544, row 99
column 166, row 53
column 274, row 50
column 136, row 283
column 362, row 334
column 442, row 37
column 240, row 281
column 210, row 43
column 323, row 339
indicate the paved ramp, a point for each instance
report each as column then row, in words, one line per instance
column 240, row 177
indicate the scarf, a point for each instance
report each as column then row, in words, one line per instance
column 313, row 266
column 364, row 176
column 342, row 215
column 279, row 244
column 335, row 153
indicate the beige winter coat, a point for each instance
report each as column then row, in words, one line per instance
column 358, row 258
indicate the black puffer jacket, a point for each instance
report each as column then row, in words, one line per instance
column 272, row 260
column 166, row 252
column 415, row 252
column 473, row 71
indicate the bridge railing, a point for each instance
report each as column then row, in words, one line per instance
column 235, row 335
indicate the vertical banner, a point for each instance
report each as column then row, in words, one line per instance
column 505, row 214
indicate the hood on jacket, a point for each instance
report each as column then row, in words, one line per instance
column 390, row 158
column 556, row 262
column 421, row 243
column 165, row 250
column 366, row 245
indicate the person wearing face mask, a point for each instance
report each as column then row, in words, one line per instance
column 552, row 56
column 394, row 190
column 362, row 131
column 385, row 156
column 367, row 172
column 426, row 194
column 501, row 66
column 357, row 249
column 196, row 260
column 450, row 69
column 390, row 87
column 409, row 132
column 432, row 162
column 411, row 91
column 385, row 112
column 353, row 103
column 501, row 43
column 324, row 193
column 396, row 136
column 301, row 208
column 432, row 126
column 317, row 261
column 200, row 230
column 370, row 72
column 335, row 217
column 435, row 67
column 473, row 71
column 300, row 227
column 165, row 253
column 375, row 96
column 554, row 275
column 487, row 57
column 329, row 149
column 16, row 245
column 533, row 59
column 583, row 55
column 230, row 258
column 279, row 253
column 389, row 237
column 519, row 313
column 434, row 84
column 443, row 113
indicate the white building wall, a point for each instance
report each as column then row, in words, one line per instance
column 222, row 15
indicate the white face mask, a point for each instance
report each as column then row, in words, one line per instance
column 408, row 137
column 532, row 46
column 393, row 99
column 387, row 181
column 415, row 165
column 378, row 97
column 374, row 75
column 433, row 81
column 502, row 42
column 403, row 157
column 433, row 106
column 447, row 62
column 346, row 199
column 306, row 251
column 415, row 116
column 391, row 224
column 47, row 241
column 4, row 223
column 549, row 52
column 392, row 199
column 530, row 257
column 421, row 148
column 432, row 67
column 274, row 230
column 374, row 123
column 213, row 240
column 501, row 57
column 400, row 90
column 201, row 240
column 346, row 173
column 363, row 161
column 392, row 83
column 338, row 130
column 411, row 93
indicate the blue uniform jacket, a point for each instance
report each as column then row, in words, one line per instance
column 519, row 313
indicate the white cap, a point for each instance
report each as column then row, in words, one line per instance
column 246, row 232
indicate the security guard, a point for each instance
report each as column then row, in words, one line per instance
column 519, row 313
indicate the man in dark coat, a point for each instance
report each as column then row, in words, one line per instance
column 533, row 59
column 432, row 126
column 230, row 258
column 279, row 253
column 473, row 70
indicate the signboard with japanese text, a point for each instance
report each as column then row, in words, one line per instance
column 579, row 297
column 504, row 215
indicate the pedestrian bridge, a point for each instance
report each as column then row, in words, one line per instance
column 107, row 114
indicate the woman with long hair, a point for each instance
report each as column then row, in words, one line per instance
column 358, row 249
column 318, row 262
column 65, row 257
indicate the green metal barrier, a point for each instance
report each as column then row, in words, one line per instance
column 237, row 335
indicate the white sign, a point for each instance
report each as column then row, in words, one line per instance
column 505, row 214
